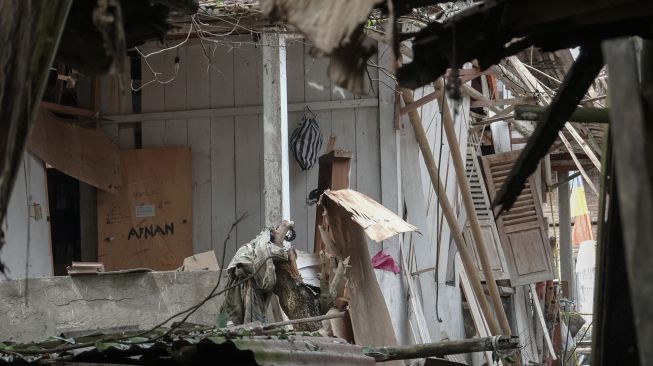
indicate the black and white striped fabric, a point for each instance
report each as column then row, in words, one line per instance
column 306, row 142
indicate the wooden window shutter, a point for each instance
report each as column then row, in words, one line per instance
column 485, row 219
column 522, row 230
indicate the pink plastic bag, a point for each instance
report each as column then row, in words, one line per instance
column 384, row 261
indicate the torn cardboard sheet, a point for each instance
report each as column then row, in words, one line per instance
column 348, row 217
column 377, row 221
column 83, row 153
column 205, row 261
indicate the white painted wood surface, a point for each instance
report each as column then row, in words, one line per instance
column 423, row 210
column 27, row 248
column 276, row 189
column 227, row 148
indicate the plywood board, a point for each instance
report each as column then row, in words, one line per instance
column 149, row 222
column 83, row 153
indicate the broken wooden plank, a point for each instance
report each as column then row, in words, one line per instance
column 383, row 354
column 540, row 316
column 577, row 162
column 83, row 153
column 583, row 145
column 370, row 318
column 581, row 114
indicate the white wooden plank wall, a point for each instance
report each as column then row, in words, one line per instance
column 28, row 237
column 227, row 151
column 423, row 209
column 116, row 98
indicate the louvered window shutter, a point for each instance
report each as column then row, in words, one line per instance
column 522, row 230
column 485, row 219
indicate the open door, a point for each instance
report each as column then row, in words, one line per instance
column 522, row 229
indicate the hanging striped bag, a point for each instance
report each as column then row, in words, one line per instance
column 306, row 142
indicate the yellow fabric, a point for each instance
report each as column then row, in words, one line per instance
column 578, row 202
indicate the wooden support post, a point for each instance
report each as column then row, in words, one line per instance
column 479, row 241
column 581, row 114
column 452, row 221
column 382, row 354
column 566, row 253
column 333, row 174
column 276, row 190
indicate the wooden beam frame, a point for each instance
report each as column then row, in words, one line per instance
column 535, row 86
column 421, row 102
column 70, row 110
column 237, row 111
column 498, row 102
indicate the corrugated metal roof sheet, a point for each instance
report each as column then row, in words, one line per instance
column 254, row 350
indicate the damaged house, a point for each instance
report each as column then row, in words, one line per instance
column 275, row 182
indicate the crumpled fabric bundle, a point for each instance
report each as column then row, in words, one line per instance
column 249, row 302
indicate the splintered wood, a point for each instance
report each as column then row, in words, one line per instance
column 149, row 222
column 348, row 217
column 378, row 222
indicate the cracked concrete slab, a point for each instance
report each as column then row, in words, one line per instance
column 54, row 305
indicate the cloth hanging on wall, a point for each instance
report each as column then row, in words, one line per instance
column 306, row 142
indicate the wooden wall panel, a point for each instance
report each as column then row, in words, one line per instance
column 232, row 183
column 149, row 223
column 223, row 159
column 223, row 184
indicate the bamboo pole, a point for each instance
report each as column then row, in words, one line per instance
column 461, row 177
column 449, row 215
column 500, row 343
